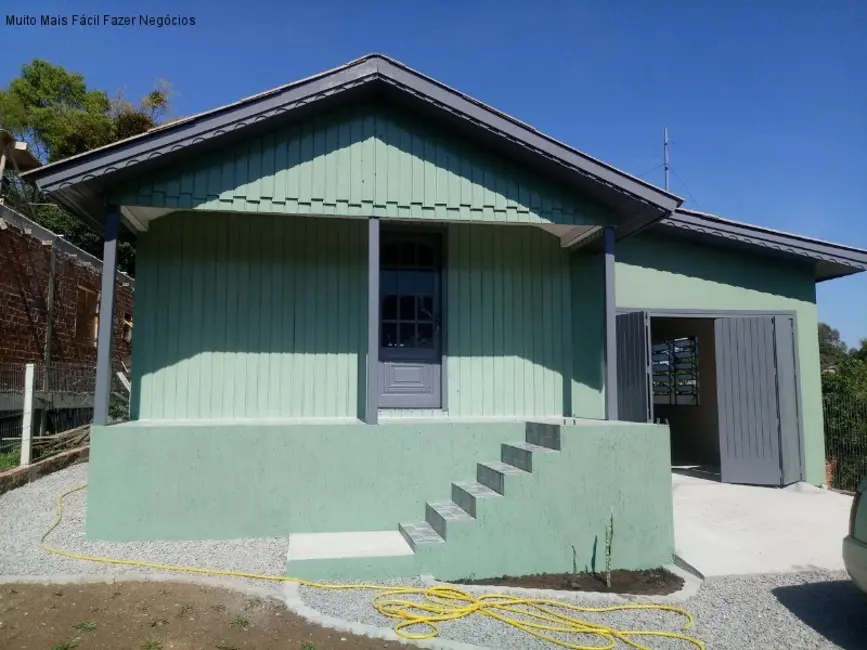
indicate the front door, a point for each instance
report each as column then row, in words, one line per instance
column 410, row 354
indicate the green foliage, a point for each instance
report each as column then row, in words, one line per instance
column 8, row 460
column 55, row 112
column 844, row 392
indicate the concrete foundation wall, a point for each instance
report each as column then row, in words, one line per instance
column 222, row 482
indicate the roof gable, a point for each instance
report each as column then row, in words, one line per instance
column 79, row 180
column 363, row 160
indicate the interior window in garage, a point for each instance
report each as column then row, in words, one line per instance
column 675, row 371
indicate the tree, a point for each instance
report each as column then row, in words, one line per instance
column 831, row 348
column 55, row 112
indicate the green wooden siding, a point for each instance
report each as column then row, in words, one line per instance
column 368, row 162
column 266, row 316
column 240, row 317
column 656, row 273
column 507, row 322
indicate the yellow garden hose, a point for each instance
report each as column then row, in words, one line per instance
column 540, row 617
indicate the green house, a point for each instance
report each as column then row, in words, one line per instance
column 416, row 335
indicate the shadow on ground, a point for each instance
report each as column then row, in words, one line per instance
column 834, row 609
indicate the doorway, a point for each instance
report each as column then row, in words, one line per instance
column 726, row 384
column 410, row 304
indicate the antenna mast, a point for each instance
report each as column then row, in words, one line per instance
column 665, row 156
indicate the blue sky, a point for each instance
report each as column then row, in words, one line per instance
column 766, row 102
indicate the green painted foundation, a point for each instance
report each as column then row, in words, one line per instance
column 254, row 480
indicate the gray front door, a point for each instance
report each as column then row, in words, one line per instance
column 410, row 354
column 749, row 381
column 633, row 367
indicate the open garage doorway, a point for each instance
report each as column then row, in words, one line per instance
column 726, row 383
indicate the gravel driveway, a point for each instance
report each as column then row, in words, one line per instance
column 791, row 611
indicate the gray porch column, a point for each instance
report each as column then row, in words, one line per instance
column 105, row 334
column 371, row 402
column 610, row 326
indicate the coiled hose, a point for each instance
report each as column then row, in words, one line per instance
column 540, row 617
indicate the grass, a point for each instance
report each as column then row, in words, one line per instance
column 8, row 460
column 186, row 608
column 306, row 645
column 152, row 644
column 239, row 622
column 253, row 601
column 65, row 645
column 85, row 626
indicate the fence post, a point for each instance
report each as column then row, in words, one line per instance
column 27, row 417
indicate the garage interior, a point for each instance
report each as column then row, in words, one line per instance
column 684, row 392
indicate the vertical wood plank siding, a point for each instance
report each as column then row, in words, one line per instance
column 507, row 322
column 249, row 317
column 265, row 316
column 365, row 162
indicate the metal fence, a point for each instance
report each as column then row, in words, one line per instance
column 61, row 406
column 845, row 441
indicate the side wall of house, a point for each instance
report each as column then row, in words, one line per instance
column 25, row 271
column 266, row 316
column 658, row 273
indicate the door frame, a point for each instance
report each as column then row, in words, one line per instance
column 734, row 313
column 441, row 229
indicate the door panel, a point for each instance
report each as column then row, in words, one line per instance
column 633, row 367
column 748, row 405
column 789, row 408
column 410, row 351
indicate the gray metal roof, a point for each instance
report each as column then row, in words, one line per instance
column 829, row 260
column 79, row 180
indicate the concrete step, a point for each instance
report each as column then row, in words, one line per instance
column 419, row 533
column 361, row 555
column 439, row 513
column 520, row 454
column 543, row 435
column 467, row 493
column 493, row 475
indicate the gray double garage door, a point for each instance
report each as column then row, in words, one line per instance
column 757, row 394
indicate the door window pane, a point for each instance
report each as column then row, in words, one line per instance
column 389, row 308
column 407, row 308
column 407, row 335
column 407, row 253
column 390, row 255
column 389, row 335
column 425, row 308
column 425, row 335
column 426, row 256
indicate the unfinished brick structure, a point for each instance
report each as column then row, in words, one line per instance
column 32, row 319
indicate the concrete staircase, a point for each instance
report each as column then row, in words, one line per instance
column 492, row 481
column 417, row 547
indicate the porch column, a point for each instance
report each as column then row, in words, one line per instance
column 610, row 326
column 372, row 381
column 105, row 334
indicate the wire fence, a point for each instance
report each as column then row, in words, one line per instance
column 845, row 441
column 62, row 407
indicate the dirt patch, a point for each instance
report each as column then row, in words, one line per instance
column 652, row 582
column 158, row 616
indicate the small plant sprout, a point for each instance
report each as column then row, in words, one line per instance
column 85, row 626
column 186, row 608
column 152, row 644
column 306, row 645
column 65, row 645
column 253, row 601
column 239, row 622
column 159, row 622
column 574, row 561
column 609, row 540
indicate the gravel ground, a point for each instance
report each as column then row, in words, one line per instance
column 762, row 612
column 768, row 612
column 26, row 513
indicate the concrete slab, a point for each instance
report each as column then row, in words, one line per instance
column 322, row 546
column 724, row 529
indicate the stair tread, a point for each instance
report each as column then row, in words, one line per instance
column 476, row 489
column 504, row 468
column 529, row 446
column 421, row 532
column 449, row 510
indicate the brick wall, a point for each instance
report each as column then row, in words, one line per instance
column 25, row 264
